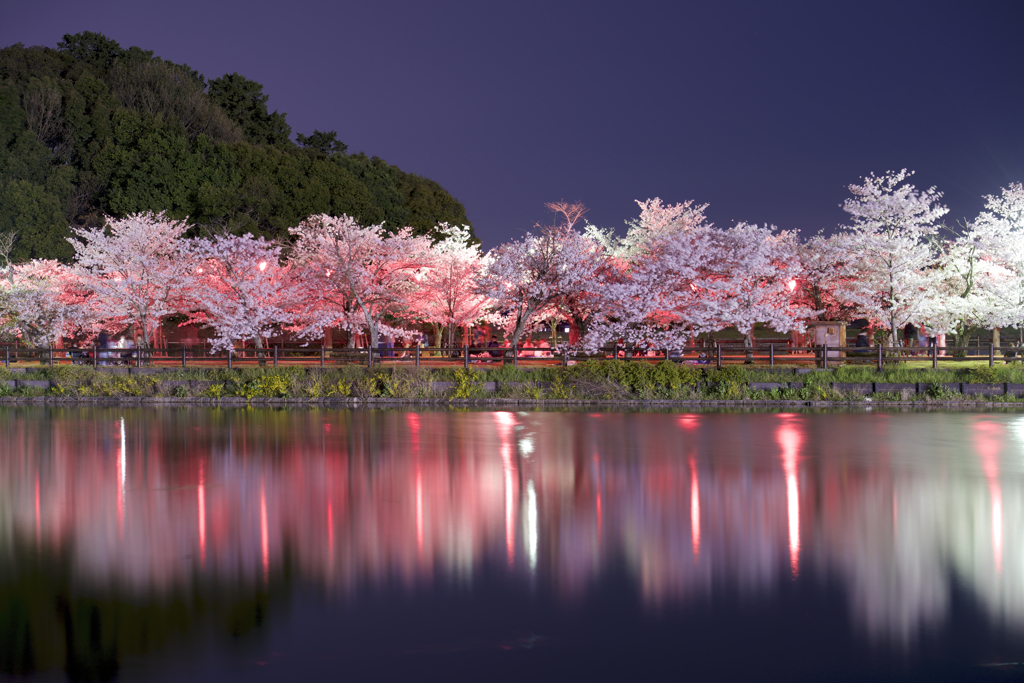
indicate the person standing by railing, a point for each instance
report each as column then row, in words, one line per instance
column 102, row 342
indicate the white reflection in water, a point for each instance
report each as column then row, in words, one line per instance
column 531, row 524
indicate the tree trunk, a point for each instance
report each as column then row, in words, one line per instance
column 257, row 341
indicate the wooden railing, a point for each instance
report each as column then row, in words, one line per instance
column 718, row 354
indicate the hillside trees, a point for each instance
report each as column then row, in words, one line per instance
column 243, row 101
column 92, row 129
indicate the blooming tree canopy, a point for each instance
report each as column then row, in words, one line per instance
column 348, row 268
column 529, row 277
column 447, row 292
column 137, row 268
column 243, row 291
column 997, row 235
column 39, row 302
column 891, row 255
column 751, row 269
column 657, row 286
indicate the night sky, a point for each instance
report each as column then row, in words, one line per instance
column 767, row 111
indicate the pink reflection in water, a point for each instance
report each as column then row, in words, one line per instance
column 202, row 515
column 414, row 430
column 506, row 433
column 789, row 435
column 988, row 441
column 694, row 509
column 264, row 533
column 39, row 533
column 689, row 421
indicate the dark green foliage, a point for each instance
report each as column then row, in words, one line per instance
column 244, row 103
column 326, row 144
column 91, row 128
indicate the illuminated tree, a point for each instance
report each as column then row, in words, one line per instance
column 656, row 285
column 349, row 269
column 998, row 236
column 447, row 292
column 825, row 266
column 40, row 303
column 528, row 278
column 139, row 271
column 890, row 249
column 748, row 280
column 243, row 291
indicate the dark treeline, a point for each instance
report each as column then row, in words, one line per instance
column 91, row 128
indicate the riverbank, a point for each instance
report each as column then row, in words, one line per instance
column 590, row 383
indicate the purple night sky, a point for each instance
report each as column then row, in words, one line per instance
column 765, row 110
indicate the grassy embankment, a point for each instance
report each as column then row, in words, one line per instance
column 589, row 381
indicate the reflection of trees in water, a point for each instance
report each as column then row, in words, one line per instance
column 145, row 533
column 48, row 620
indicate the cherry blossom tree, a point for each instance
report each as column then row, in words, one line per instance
column 242, row 290
column 136, row 267
column 997, row 236
column 528, row 278
column 41, row 303
column 656, row 221
column 890, row 250
column 349, row 269
column 967, row 283
column 447, row 293
column 825, row 266
column 748, row 280
column 656, row 290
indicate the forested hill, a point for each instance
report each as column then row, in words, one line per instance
column 91, row 128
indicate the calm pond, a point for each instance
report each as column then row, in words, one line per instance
column 260, row 544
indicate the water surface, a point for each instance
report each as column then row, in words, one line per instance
column 265, row 544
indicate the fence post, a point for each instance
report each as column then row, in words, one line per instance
column 49, row 350
column 824, row 356
column 184, row 356
column 565, row 357
column 935, row 356
column 229, row 359
column 991, row 354
column 465, row 354
column 515, row 356
column 7, row 356
column 718, row 356
column 771, row 355
column 94, row 354
column 322, row 355
column 275, row 355
column 417, row 355
column 879, row 356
